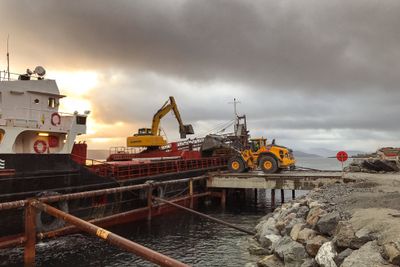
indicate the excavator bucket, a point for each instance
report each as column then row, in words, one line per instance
column 187, row 129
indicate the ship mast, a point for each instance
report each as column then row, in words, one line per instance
column 8, row 59
column 236, row 121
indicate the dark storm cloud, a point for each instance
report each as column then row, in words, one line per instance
column 316, row 45
column 296, row 65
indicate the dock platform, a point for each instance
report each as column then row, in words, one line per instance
column 294, row 180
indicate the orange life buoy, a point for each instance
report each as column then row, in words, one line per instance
column 55, row 119
column 40, row 146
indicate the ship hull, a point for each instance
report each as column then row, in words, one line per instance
column 40, row 175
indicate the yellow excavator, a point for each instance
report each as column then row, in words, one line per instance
column 150, row 137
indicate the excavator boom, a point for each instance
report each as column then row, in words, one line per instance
column 151, row 137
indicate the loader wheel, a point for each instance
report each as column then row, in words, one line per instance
column 236, row 164
column 268, row 164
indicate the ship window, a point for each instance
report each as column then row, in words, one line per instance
column 36, row 101
column 53, row 103
column 81, row 120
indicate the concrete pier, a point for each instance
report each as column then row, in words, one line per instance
column 285, row 181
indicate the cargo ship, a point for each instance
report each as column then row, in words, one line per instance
column 39, row 156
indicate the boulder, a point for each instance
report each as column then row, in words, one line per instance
column 362, row 236
column 269, row 241
column 309, row 262
column 314, row 204
column 256, row 249
column 346, row 237
column 313, row 245
column 327, row 223
column 354, row 168
column 296, row 229
column 344, row 234
column 270, row 261
column 305, row 235
column 267, row 228
column 291, row 252
column 391, row 251
column 367, row 256
column 302, row 212
column 342, row 255
column 326, row 254
column 281, row 225
column 313, row 215
column 288, row 228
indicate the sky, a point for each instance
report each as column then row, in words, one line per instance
column 310, row 74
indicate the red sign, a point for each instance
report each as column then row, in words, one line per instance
column 342, row 156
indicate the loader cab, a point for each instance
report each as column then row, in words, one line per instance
column 257, row 143
column 143, row 131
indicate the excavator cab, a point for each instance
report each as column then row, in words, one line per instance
column 143, row 131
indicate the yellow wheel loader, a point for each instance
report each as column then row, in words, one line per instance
column 270, row 158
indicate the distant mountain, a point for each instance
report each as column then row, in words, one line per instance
column 99, row 154
column 324, row 152
column 301, row 154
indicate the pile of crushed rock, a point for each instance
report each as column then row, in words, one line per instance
column 372, row 165
column 318, row 230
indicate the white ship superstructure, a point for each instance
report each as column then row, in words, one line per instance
column 30, row 121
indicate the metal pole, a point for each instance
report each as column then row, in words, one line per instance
column 110, row 237
column 223, row 198
column 206, row 216
column 149, row 201
column 282, row 196
column 191, row 193
column 30, row 235
column 293, row 194
column 272, row 198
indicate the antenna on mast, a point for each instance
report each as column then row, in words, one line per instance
column 8, row 58
column 235, row 102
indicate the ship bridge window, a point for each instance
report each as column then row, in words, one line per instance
column 53, row 102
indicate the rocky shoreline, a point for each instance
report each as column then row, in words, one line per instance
column 349, row 224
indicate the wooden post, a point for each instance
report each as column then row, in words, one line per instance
column 272, row 198
column 282, row 196
column 223, row 198
column 191, row 192
column 293, row 194
column 30, row 235
column 149, row 201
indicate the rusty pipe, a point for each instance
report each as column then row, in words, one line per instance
column 110, row 237
column 93, row 193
